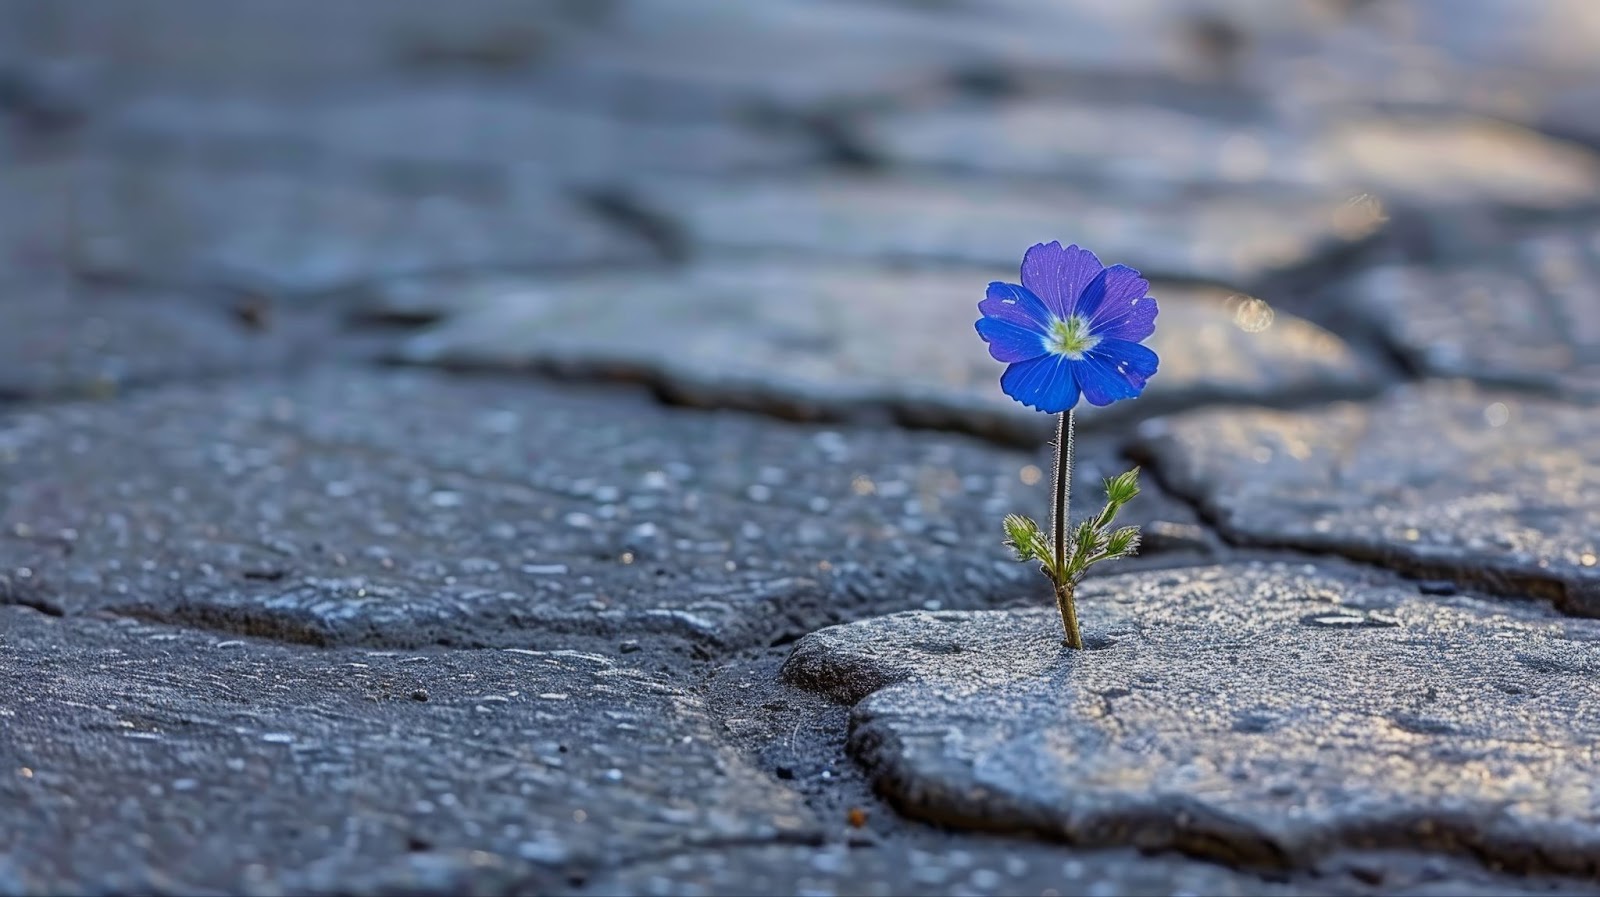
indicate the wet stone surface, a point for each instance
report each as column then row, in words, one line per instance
column 245, row 766
column 1264, row 715
column 1164, row 233
column 1440, row 480
column 1523, row 314
column 846, row 341
column 412, row 509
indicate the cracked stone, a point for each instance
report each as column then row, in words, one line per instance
column 1217, row 721
column 406, row 508
column 141, row 758
column 316, row 231
column 842, row 342
column 766, row 52
column 1456, row 161
column 448, row 127
column 278, row 45
column 1527, row 320
column 76, row 341
column 1489, row 57
column 944, row 868
column 1440, row 480
column 1450, row 160
column 1228, row 238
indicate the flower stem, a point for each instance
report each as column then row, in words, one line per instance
column 1069, row 614
column 1060, row 519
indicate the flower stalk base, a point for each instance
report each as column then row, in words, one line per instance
column 1065, row 558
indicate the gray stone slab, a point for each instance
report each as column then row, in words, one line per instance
column 299, row 45
column 1451, row 160
column 1524, row 315
column 404, row 508
column 846, row 341
column 768, row 51
column 35, row 220
column 1439, row 480
column 1263, row 715
column 445, row 126
column 1495, row 57
column 1047, row 136
column 321, row 228
column 1455, row 160
column 72, row 340
column 968, row 865
column 1225, row 237
column 955, row 868
column 144, row 758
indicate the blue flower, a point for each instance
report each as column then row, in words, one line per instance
column 1073, row 326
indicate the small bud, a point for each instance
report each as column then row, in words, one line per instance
column 1121, row 488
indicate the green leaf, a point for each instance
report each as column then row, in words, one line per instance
column 1020, row 532
column 1085, row 537
column 1024, row 538
column 1122, row 543
column 1122, row 488
column 1086, row 541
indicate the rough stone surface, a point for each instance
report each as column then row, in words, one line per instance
column 245, row 766
column 1227, row 237
column 768, row 52
column 848, row 341
column 215, row 218
column 320, row 229
column 1439, row 480
column 1523, row 316
column 997, row 867
column 413, row 509
column 70, row 340
column 972, row 865
column 443, row 127
column 1264, row 715
column 1450, row 160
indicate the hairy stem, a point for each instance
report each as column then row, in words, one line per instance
column 1069, row 614
column 1060, row 518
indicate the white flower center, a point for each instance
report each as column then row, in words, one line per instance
column 1070, row 338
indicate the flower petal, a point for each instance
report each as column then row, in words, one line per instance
column 1114, row 370
column 1133, row 324
column 1010, row 302
column 1110, row 294
column 1058, row 275
column 1008, row 342
column 1044, row 383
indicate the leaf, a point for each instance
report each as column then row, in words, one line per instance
column 1123, row 542
column 1085, row 541
column 1122, row 488
column 1024, row 538
column 1119, row 544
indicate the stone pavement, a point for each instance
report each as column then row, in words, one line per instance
column 501, row 448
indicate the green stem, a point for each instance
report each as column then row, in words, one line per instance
column 1060, row 519
column 1069, row 614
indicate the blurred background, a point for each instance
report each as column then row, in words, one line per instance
column 793, row 205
